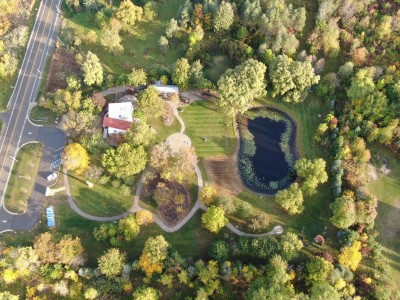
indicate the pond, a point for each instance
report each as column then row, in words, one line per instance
column 267, row 150
column 269, row 161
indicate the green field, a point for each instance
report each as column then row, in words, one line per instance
column 100, row 200
column 387, row 189
column 22, row 178
column 141, row 48
column 209, row 129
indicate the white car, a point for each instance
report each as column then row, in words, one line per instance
column 52, row 177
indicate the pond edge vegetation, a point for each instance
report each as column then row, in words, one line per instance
column 247, row 149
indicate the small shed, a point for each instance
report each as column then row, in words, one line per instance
column 166, row 91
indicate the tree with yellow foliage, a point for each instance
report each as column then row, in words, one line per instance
column 207, row 195
column 144, row 217
column 155, row 251
column 147, row 266
column 351, row 256
column 76, row 158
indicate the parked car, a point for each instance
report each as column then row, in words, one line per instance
column 52, row 177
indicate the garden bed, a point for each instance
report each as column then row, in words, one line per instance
column 267, row 151
column 171, row 213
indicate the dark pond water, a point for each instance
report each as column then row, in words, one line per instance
column 269, row 161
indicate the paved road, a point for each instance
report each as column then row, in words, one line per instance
column 17, row 130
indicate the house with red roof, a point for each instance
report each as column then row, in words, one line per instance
column 118, row 119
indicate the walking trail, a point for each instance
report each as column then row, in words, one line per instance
column 185, row 142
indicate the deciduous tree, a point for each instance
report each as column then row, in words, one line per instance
column 92, row 70
column 224, row 16
column 125, row 161
column 290, row 245
column 318, row 270
column 129, row 13
column 76, row 158
column 146, row 293
column 291, row 199
column 144, row 217
column 129, row 227
column 351, row 256
column 214, row 219
column 238, row 87
column 291, row 79
column 181, row 73
column 111, row 41
column 137, row 77
column 112, row 262
column 150, row 104
column 312, row 172
column 344, row 211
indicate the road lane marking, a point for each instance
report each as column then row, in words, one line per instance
column 50, row 34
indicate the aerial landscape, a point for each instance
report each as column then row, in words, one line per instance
column 200, row 149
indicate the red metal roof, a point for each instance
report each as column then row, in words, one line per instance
column 115, row 123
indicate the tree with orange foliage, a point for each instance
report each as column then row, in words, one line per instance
column 155, row 251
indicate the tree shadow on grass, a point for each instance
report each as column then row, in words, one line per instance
column 387, row 223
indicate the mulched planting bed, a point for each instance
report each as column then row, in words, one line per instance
column 171, row 213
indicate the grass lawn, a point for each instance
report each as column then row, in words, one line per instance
column 141, row 48
column 6, row 85
column 387, row 189
column 162, row 130
column 42, row 116
column 22, row 178
column 209, row 129
column 100, row 200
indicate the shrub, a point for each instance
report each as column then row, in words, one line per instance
column 220, row 250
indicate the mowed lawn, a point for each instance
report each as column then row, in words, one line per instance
column 387, row 189
column 163, row 131
column 100, row 200
column 22, row 178
column 141, row 48
column 209, row 128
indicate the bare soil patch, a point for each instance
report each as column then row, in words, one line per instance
column 223, row 172
column 63, row 64
column 171, row 213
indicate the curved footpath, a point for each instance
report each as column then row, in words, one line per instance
column 135, row 207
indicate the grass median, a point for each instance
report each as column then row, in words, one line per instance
column 22, row 178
